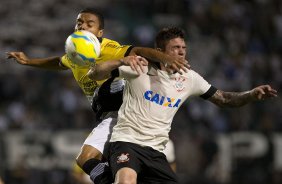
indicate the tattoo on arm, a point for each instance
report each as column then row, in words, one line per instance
column 231, row 99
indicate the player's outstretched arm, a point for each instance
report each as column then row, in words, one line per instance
column 237, row 99
column 48, row 63
column 103, row 70
column 171, row 63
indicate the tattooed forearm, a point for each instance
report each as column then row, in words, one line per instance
column 231, row 99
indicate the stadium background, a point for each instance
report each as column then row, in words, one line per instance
column 234, row 44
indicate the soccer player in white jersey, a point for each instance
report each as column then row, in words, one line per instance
column 150, row 102
column 89, row 159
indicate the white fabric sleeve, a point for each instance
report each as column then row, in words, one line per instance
column 126, row 72
column 200, row 85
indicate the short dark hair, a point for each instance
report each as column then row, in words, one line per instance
column 96, row 13
column 167, row 34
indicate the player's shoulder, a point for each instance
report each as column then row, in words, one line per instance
column 112, row 44
column 109, row 43
column 190, row 76
column 127, row 72
column 191, row 73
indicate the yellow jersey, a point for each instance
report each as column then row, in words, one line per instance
column 110, row 50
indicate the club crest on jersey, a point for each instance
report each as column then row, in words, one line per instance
column 123, row 158
column 179, row 83
column 161, row 100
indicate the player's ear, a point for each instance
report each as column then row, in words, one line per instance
column 100, row 33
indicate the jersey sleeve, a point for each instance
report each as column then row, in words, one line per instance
column 128, row 51
column 65, row 61
column 209, row 93
column 201, row 87
column 126, row 72
column 111, row 50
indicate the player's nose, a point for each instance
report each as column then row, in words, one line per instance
column 81, row 27
column 182, row 53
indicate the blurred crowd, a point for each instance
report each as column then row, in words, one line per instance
column 235, row 44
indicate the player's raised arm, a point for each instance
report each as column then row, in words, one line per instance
column 48, row 63
column 103, row 70
column 172, row 64
column 237, row 99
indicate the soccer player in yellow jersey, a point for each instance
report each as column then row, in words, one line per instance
column 89, row 159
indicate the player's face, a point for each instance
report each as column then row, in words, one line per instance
column 88, row 22
column 176, row 47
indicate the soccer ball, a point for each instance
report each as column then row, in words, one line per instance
column 83, row 48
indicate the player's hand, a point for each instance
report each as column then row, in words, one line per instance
column 263, row 92
column 178, row 64
column 136, row 63
column 20, row 57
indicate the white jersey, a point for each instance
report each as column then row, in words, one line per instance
column 169, row 151
column 150, row 102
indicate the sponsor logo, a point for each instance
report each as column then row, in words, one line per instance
column 162, row 100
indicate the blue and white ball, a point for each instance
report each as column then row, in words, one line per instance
column 83, row 48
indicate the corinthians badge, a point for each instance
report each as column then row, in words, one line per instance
column 123, row 158
column 179, row 83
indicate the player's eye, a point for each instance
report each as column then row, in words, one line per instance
column 91, row 24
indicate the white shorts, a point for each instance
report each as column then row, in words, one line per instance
column 101, row 134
